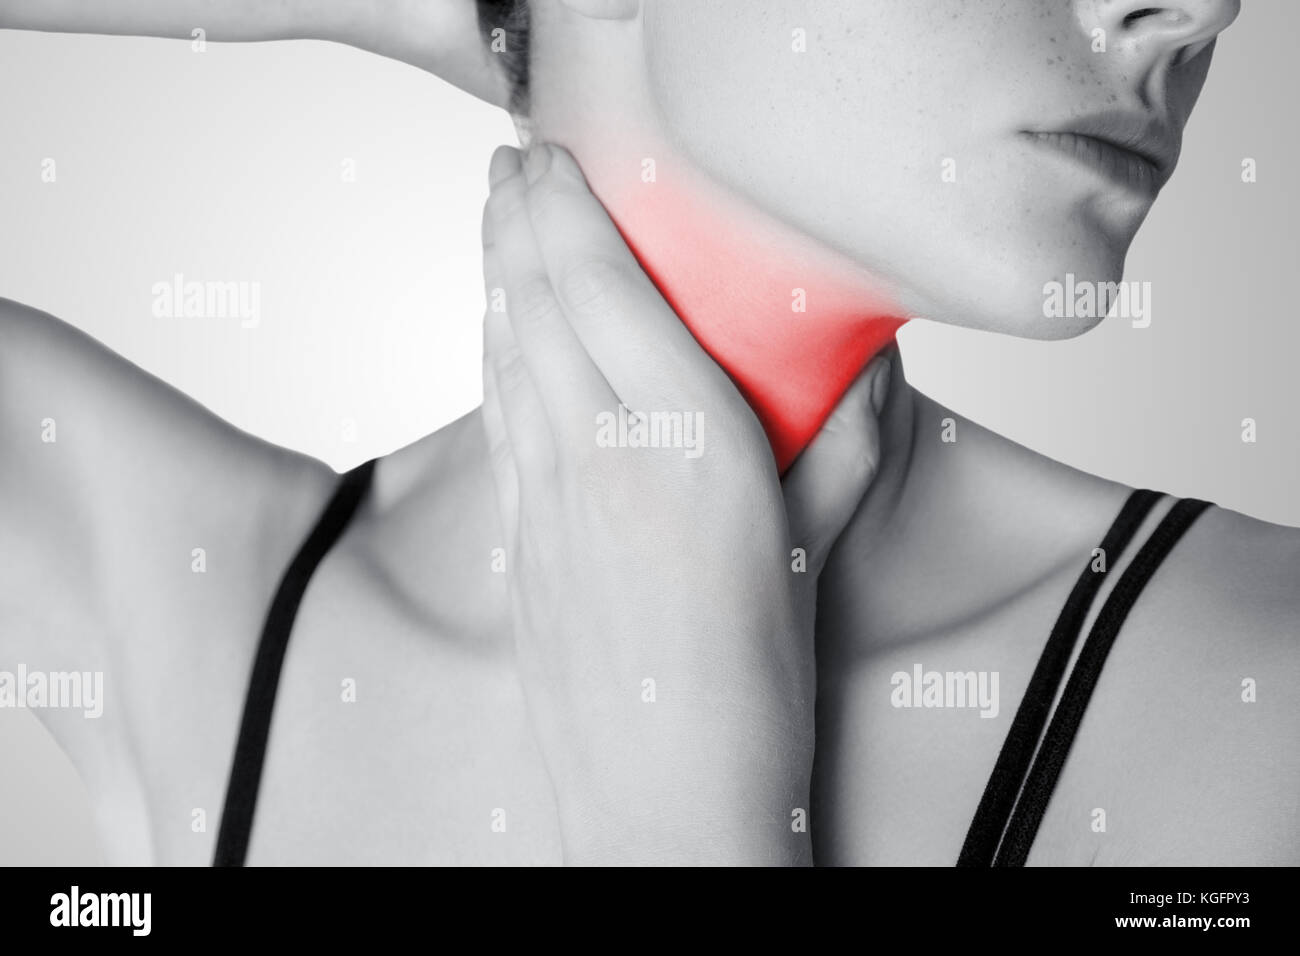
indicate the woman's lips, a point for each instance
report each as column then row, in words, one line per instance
column 1119, row 164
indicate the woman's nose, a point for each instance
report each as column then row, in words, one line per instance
column 1181, row 27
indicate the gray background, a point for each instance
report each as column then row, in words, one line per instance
column 227, row 166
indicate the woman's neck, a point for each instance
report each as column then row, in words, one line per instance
column 957, row 523
column 790, row 321
column 793, row 323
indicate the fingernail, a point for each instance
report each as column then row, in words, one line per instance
column 880, row 387
column 536, row 162
column 505, row 163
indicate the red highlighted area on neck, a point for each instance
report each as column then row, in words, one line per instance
column 792, row 323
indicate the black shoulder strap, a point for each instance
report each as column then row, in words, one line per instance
column 1013, row 763
column 1018, row 749
column 255, row 727
column 1083, row 679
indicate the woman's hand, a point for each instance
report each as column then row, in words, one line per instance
column 662, row 616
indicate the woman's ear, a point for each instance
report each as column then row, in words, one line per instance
column 604, row 9
column 440, row 36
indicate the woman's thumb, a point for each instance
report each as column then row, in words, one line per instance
column 826, row 483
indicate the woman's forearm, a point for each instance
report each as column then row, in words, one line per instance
column 220, row 19
column 440, row 36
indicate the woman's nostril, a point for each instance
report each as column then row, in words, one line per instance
column 1137, row 15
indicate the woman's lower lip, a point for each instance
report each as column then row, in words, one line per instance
column 1121, row 166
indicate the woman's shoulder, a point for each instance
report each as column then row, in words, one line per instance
column 106, row 401
column 1241, row 597
column 1226, row 601
column 1247, row 567
column 1192, row 732
column 106, row 461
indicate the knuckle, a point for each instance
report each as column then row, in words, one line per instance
column 861, row 462
column 503, row 204
column 500, row 454
column 511, row 372
column 594, row 285
column 546, row 197
column 534, row 301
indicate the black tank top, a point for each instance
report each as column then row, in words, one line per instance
column 1023, row 777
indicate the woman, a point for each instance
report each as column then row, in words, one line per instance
column 628, row 672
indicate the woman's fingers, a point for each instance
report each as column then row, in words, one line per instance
column 568, row 383
column 645, row 352
column 615, row 555
column 518, row 406
column 502, row 462
column 826, row 483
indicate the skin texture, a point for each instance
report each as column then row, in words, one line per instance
column 437, row 35
column 732, row 645
column 728, row 209
column 792, row 324
column 446, row 732
column 883, row 95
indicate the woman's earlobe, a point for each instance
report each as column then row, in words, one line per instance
column 605, row 9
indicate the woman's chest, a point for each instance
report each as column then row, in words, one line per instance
column 1155, row 764
column 392, row 745
column 398, row 741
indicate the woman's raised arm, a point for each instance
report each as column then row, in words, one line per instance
column 440, row 36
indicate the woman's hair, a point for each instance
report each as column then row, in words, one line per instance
column 511, row 16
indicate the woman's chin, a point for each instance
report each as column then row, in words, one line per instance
column 1052, row 298
column 1029, row 326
